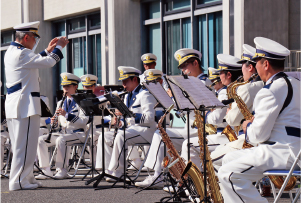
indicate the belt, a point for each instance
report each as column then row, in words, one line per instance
column 79, row 130
column 292, row 131
column 2, row 131
column 35, row 94
column 14, row 88
column 43, row 127
column 268, row 142
column 219, row 129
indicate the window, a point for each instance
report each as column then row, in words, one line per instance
column 83, row 53
column 177, row 5
column 6, row 39
column 155, row 43
column 3, row 80
column 211, row 38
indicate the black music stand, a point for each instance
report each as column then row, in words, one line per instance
column 91, row 107
column 116, row 101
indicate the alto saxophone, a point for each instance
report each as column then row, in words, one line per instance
column 277, row 180
column 177, row 169
column 194, row 173
column 228, row 131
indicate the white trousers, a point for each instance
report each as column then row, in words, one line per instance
column 220, row 151
column 62, row 141
column 4, row 137
column 24, row 133
column 242, row 167
column 133, row 135
column 213, row 141
column 108, row 137
column 156, row 151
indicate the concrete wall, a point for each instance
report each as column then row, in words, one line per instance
column 123, row 35
column 268, row 18
column 294, row 25
column 9, row 7
column 55, row 9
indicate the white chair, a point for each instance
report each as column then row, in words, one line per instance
column 288, row 174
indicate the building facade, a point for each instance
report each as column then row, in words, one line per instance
column 105, row 34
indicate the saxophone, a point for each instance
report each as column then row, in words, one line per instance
column 228, row 131
column 177, row 169
column 194, row 173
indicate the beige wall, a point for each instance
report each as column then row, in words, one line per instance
column 11, row 14
column 55, row 9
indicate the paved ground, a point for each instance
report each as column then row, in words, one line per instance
column 67, row 191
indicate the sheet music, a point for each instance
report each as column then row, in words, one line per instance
column 159, row 93
column 181, row 101
column 198, row 93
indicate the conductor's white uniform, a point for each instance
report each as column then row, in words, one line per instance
column 278, row 136
column 23, row 108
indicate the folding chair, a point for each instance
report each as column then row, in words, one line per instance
column 288, row 174
column 7, row 145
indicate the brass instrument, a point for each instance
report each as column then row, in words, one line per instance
column 177, row 169
column 209, row 128
column 277, row 180
column 228, row 131
column 196, row 176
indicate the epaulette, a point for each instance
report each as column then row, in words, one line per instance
column 20, row 47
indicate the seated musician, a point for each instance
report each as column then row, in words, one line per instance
column 89, row 82
column 190, row 64
column 234, row 115
column 139, row 129
column 71, row 125
column 275, row 127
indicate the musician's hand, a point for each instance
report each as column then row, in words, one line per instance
column 118, row 113
column 245, row 124
column 169, row 92
column 61, row 112
column 52, row 119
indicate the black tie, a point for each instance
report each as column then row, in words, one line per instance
column 129, row 98
column 69, row 103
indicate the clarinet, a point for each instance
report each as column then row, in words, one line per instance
column 55, row 121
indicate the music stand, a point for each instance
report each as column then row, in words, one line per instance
column 91, row 107
column 202, row 99
column 116, row 101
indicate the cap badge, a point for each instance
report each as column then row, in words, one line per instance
column 88, row 79
column 179, row 57
column 65, row 77
column 151, row 74
column 121, row 72
column 147, row 57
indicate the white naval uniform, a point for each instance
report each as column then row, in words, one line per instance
column 177, row 136
column 71, row 130
column 216, row 118
column 234, row 117
column 280, row 132
column 139, row 129
column 23, row 108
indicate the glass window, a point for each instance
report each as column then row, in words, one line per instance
column 155, row 43
column 94, row 21
column 6, row 38
column 95, row 50
column 77, row 24
column 177, row 4
column 206, row 1
column 154, row 9
column 79, row 59
column 3, row 80
column 173, row 40
column 186, row 36
column 212, row 44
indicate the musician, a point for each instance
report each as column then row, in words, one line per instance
column 189, row 64
column 247, row 94
column 139, row 129
column 215, row 79
column 22, row 105
column 89, row 82
column 149, row 62
column 275, row 127
column 71, row 126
